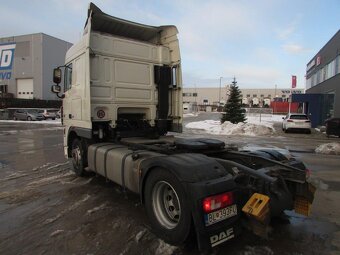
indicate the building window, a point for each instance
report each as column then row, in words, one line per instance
column 188, row 94
column 269, row 96
column 337, row 64
column 331, row 69
column 194, row 94
column 3, row 88
column 254, row 95
column 309, row 83
column 248, row 95
column 261, row 95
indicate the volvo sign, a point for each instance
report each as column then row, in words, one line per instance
column 6, row 60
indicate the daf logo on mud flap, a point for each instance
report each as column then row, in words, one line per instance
column 221, row 237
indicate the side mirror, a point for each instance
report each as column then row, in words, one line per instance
column 57, row 75
column 56, row 89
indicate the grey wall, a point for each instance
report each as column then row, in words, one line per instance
column 54, row 51
column 27, row 62
column 35, row 57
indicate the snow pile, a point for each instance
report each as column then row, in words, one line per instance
column 165, row 249
column 251, row 128
column 190, row 114
column 328, row 148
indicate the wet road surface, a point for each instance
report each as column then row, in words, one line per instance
column 46, row 209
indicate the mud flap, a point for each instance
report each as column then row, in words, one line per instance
column 304, row 197
column 257, row 215
column 210, row 236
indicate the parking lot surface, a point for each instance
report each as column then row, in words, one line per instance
column 46, row 209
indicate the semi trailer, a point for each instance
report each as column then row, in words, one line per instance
column 122, row 96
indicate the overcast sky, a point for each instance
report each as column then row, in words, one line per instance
column 261, row 42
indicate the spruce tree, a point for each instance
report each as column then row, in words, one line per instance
column 233, row 108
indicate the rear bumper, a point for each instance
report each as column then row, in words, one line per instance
column 298, row 126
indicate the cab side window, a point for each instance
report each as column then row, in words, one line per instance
column 68, row 77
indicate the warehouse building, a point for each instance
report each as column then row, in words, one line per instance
column 250, row 97
column 322, row 98
column 26, row 65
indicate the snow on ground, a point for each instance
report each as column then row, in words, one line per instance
column 252, row 127
column 190, row 114
column 328, row 148
column 54, row 122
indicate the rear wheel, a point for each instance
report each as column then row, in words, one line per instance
column 29, row 118
column 167, row 206
column 78, row 157
column 15, row 118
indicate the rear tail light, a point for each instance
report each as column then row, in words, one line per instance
column 290, row 120
column 214, row 203
column 308, row 173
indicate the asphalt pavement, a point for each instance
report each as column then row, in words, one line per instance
column 46, row 209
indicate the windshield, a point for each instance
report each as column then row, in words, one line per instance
column 299, row 117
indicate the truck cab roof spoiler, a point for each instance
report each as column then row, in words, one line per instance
column 105, row 23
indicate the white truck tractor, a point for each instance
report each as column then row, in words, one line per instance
column 122, row 94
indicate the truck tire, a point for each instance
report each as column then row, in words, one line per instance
column 167, row 207
column 78, row 157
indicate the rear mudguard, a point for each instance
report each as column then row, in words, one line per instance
column 201, row 177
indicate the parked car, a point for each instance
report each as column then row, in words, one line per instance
column 49, row 113
column 296, row 121
column 333, row 127
column 27, row 114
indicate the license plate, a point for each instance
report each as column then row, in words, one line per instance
column 222, row 214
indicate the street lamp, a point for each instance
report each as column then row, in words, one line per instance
column 219, row 93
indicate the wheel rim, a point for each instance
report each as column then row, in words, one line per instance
column 76, row 156
column 166, row 205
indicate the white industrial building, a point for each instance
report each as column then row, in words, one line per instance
column 26, row 65
column 211, row 96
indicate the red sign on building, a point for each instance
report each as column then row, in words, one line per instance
column 293, row 81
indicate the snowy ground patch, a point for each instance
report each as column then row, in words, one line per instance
column 252, row 127
column 53, row 122
column 191, row 114
column 328, row 148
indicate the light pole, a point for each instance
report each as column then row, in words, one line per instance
column 275, row 99
column 219, row 93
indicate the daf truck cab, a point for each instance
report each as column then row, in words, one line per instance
column 122, row 94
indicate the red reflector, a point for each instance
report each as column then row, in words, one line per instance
column 217, row 202
column 290, row 120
